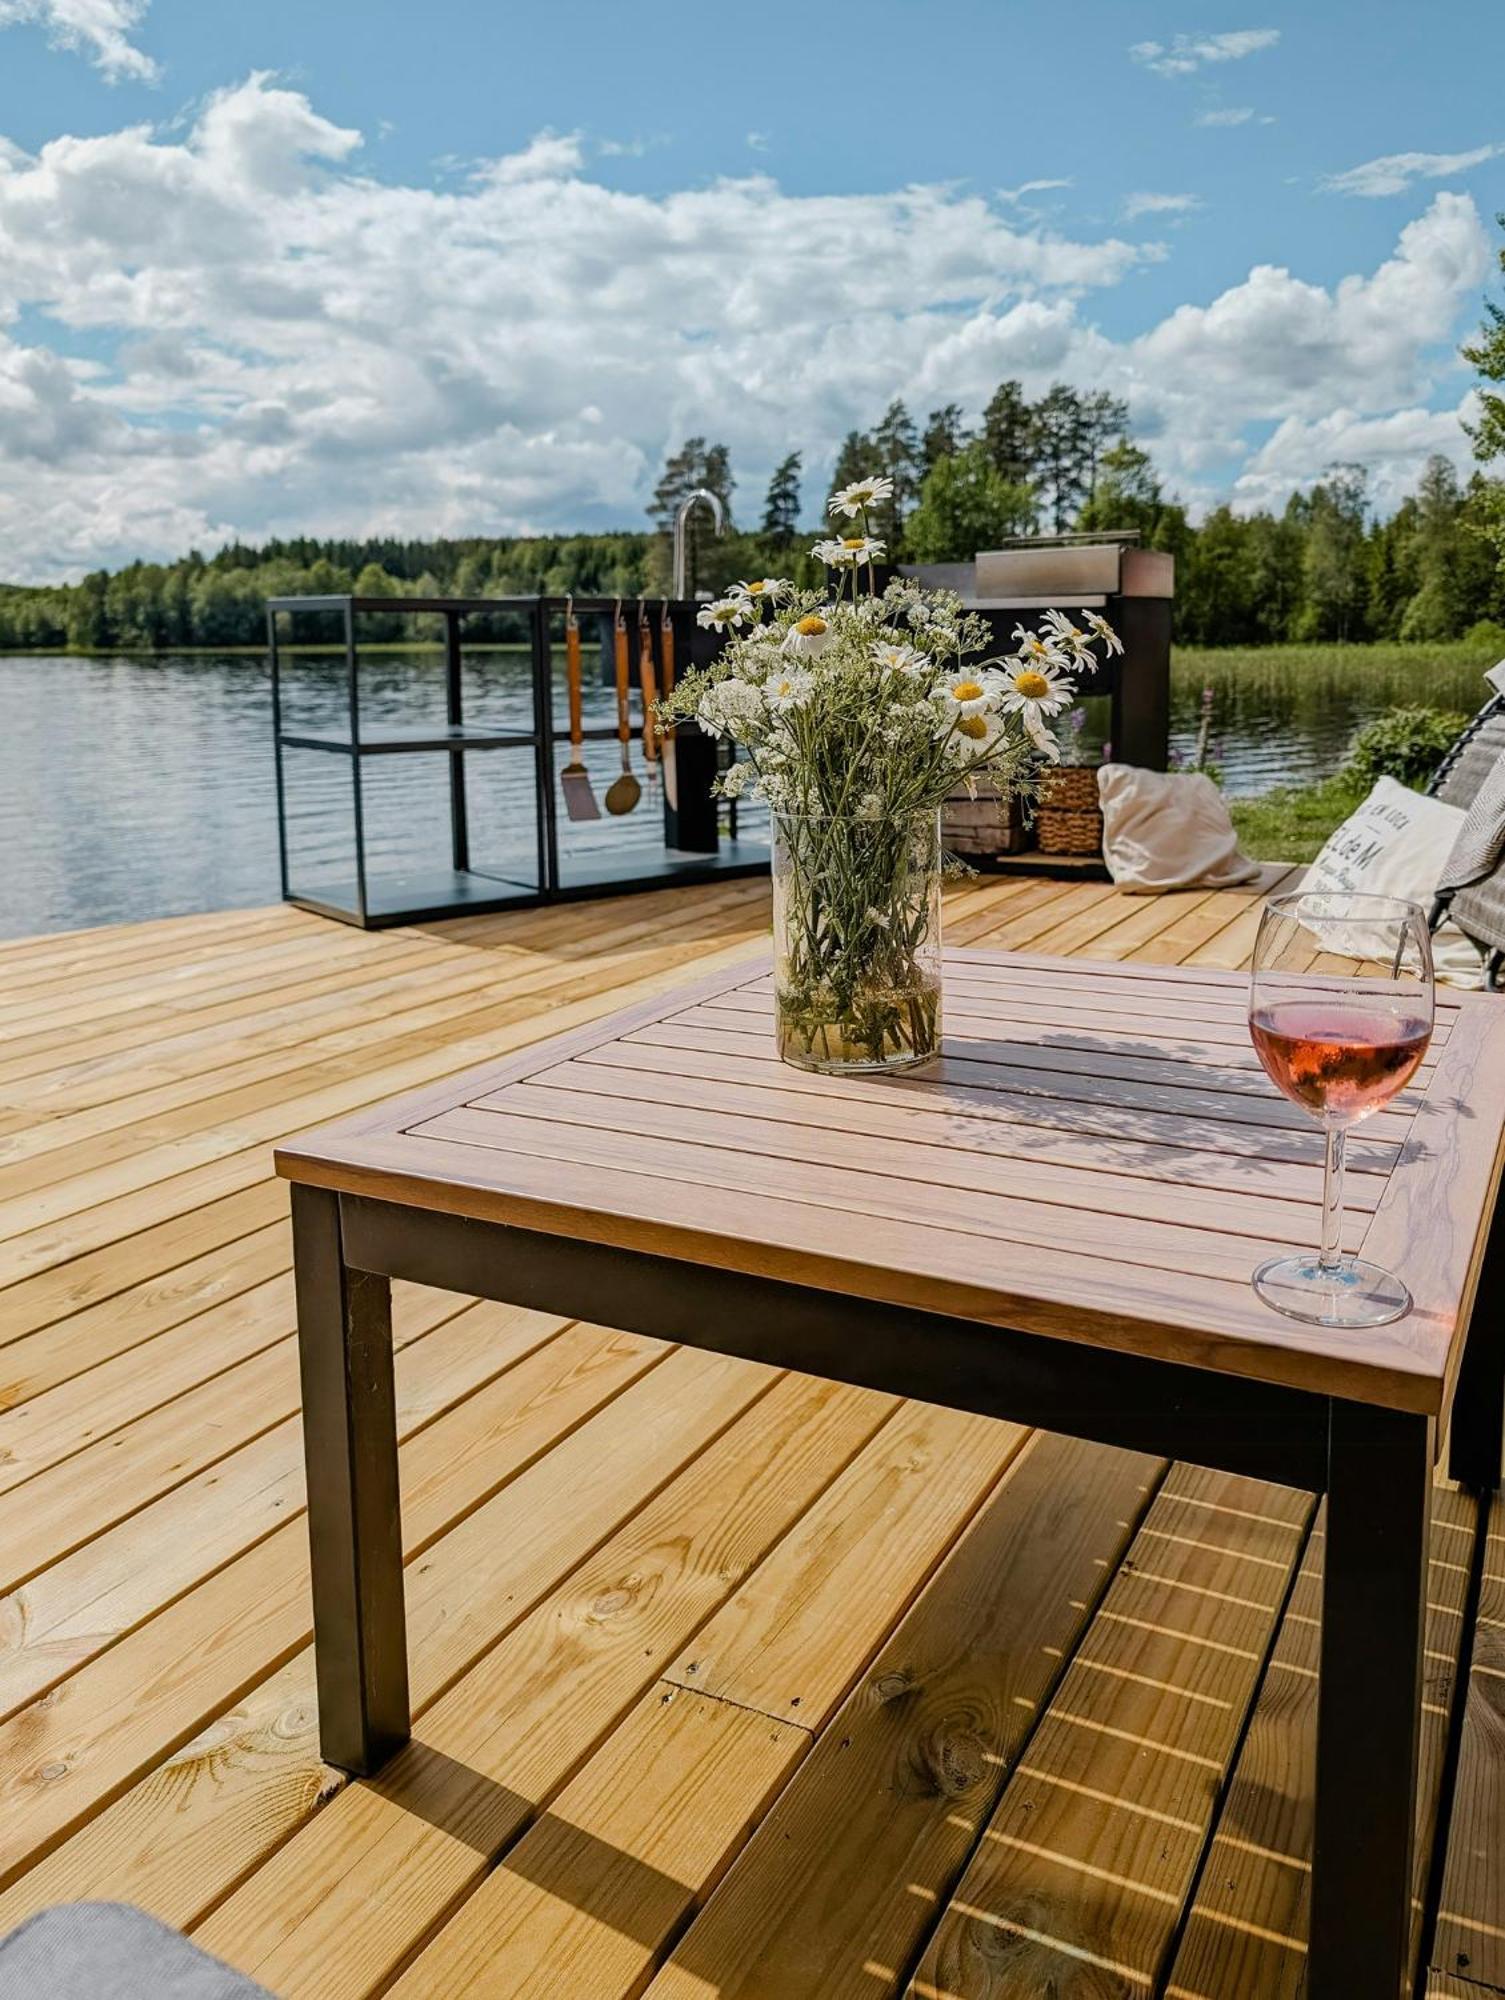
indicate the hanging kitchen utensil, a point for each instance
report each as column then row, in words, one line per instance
column 624, row 792
column 574, row 779
column 648, row 681
column 666, row 738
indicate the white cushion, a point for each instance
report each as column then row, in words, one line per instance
column 1395, row 844
column 1168, row 830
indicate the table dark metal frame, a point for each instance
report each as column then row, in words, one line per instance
column 1374, row 1464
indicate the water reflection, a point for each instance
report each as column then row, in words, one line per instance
column 145, row 788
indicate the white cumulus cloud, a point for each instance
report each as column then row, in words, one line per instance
column 236, row 329
column 1393, row 448
column 1136, row 205
column 1231, row 114
column 1184, row 54
column 101, row 29
column 1393, row 173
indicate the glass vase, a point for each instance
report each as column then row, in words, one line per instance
column 857, row 941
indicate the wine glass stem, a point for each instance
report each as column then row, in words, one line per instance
column 1331, row 1255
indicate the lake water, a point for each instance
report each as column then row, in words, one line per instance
column 134, row 788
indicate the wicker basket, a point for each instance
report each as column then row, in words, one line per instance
column 1068, row 820
column 1073, row 788
column 980, row 828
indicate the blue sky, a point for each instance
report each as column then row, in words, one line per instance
column 1268, row 227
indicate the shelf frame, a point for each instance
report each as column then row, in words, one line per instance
column 693, row 850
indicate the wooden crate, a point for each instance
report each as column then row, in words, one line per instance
column 982, row 827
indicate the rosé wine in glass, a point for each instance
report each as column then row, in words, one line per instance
column 1340, row 1062
column 1340, row 1014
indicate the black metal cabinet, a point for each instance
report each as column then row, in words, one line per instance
column 686, row 841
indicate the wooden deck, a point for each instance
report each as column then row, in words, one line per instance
column 727, row 1683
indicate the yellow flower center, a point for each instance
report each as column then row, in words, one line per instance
column 1031, row 685
column 812, row 626
column 853, row 541
column 973, row 726
column 967, row 691
column 753, row 589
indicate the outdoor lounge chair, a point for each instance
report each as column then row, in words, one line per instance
column 1472, row 887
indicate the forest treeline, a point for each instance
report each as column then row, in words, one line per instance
column 1324, row 567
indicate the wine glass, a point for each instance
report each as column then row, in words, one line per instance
column 1340, row 1013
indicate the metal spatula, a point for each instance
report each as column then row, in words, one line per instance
column 574, row 779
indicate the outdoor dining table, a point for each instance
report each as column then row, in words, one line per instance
column 1055, row 1224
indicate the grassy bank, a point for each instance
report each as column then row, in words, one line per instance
column 1292, row 823
column 1410, row 668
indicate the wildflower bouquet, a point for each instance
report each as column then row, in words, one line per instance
column 858, row 717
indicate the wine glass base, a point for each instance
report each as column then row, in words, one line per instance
column 1355, row 1294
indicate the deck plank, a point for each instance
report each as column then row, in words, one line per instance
column 1080, row 1874
column 1469, row 1941
column 497, row 1747
column 852, row 1656
column 912, row 1764
column 1247, row 1929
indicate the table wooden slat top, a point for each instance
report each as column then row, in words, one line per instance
column 1097, row 1157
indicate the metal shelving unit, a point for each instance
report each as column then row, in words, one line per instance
column 692, row 846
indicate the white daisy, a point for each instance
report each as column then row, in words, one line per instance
column 849, row 549
column 788, row 690
column 974, row 737
column 809, row 636
column 725, row 615
column 898, row 658
column 1040, row 736
column 1038, row 652
column 861, row 493
column 1031, row 689
column 968, row 693
column 1061, row 632
column 765, row 590
column 1099, row 627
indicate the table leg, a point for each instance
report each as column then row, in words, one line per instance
column 354, row 1520
column 1475, row 1442
column 1369, row 1701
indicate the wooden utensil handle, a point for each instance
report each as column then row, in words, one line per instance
column 572, row 677
column 649, row 681
column 624, row 684
column 666, row 641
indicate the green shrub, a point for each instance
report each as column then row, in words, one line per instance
column 1407, row 744
column 1488, row 635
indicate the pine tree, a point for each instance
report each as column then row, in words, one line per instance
column 1063, row 453
column 695, row 464
column 1437, row 609
column 1008, row 432
column 681, row 475
column 1104, row 419
column 716, row 477
column 1333, row 560
column 896, row 449
column 944, row 436
column 781, row 510
column 856, row 459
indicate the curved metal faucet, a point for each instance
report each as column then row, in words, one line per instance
column 682, row 515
